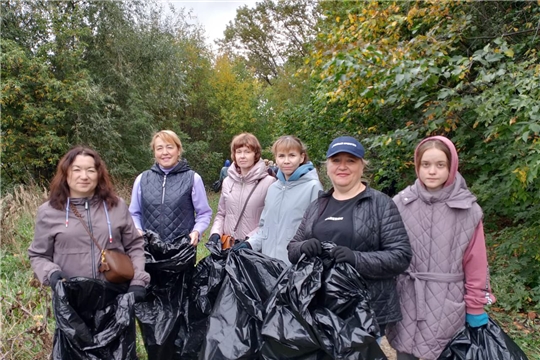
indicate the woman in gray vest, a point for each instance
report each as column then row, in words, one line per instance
column 447, row 282
column 170, row 198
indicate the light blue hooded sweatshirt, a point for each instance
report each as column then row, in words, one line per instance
column 284, row 207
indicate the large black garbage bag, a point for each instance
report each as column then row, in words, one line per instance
column 487, row 342
column 320, row 310
column 161, row 316
column 236, row 319
column 94, row 320
column 204, row 289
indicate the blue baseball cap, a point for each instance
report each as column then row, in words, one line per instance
column 346, row 144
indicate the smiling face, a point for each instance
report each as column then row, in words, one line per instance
column 166, row 153
column 288, row 160
column 434, row 169
column 345, row 171
column 82, row 177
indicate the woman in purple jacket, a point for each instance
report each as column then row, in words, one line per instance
column 170, row 198
column 447, row 281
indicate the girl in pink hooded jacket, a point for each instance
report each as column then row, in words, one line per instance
column 447, row 282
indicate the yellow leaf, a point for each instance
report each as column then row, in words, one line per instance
column 388, row 141
column 509, row 53
column 337, row 19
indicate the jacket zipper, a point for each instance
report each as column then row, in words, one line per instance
column 92, row 249
column 161, row 223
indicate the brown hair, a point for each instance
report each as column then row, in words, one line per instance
column 169, row 137
column 59, row 189
column 432, row 144
column 290, row 142
column 248, row 140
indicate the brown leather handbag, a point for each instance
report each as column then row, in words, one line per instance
column 115, row 265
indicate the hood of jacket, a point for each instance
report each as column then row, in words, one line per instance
column 454, row 161
column 257, row 172
column 182, row 166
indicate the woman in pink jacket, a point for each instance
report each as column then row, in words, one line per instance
column 243, row 190
column 447, row 282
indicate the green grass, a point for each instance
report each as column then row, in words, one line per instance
column 27, row 322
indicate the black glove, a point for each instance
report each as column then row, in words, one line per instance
column 55, row 276
column 242, row 245
column 343, row 254
column 138, row 291
column 311, row 247
column 215, row 238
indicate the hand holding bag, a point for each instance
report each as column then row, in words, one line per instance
column 115, row 265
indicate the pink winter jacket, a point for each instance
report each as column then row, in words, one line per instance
column 234, row 192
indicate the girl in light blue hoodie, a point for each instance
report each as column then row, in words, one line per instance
column 287, row 199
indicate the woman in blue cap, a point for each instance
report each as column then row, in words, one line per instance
column 364, row 223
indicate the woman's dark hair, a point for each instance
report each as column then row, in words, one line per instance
column 59, row 189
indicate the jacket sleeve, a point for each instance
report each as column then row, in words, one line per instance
column 133, row 244
column 394, row 254
column 219, row 220
column 135, row 204
column 294, row 246
column 41, row 250
column 475, row 266
column 255, row 240
column 203, row 211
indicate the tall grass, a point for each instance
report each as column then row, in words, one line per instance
column 26, row 320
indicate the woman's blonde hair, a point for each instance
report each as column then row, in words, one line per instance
column 169, row 137
column 289, row 142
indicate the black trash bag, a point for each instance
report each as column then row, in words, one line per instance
column 236, row 319
column 320, row 310
column 161, row 316
column 216, row 186
column 94, row 320
column 204, row 289
column 488, row 342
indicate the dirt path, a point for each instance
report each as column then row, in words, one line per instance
column 390, row 353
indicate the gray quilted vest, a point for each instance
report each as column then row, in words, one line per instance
column 167, row 207
column 440, row 226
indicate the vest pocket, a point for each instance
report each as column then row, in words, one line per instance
column 452, row 318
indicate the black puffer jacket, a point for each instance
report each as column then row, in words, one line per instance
column 382, row 247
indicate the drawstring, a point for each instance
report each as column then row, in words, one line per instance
column 106, row 215
column 108, row 222
column 67, row 212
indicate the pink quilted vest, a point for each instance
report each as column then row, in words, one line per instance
column 440, row 226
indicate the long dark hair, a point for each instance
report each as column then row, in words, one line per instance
column 59, row 189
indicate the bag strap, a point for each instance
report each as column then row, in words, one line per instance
column 245, row 204
column 78, row 215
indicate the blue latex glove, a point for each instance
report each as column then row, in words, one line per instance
column 476, row 320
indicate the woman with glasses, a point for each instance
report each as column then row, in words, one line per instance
column 243, row 191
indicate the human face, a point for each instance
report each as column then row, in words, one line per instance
column 433, row 170
column 345, row 171
column 288, row 161
column 245, row 159
column 166, row 154
column 82, row 177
